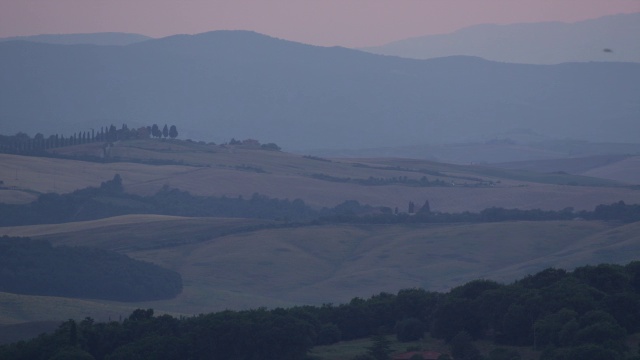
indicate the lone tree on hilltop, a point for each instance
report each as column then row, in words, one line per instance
column 113, row 186
column 112, row 133
column 425, row 209
column 155, row 131
column 173, row 132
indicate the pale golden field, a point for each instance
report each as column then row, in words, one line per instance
column 329, row 263
column 627, row 170
column 233, row 171
column 228, row 264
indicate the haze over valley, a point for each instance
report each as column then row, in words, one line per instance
column 254, row 192
column 609, row 38
column 225, row 84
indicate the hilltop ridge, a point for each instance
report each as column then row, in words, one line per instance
column 237, row 170
column 608, row 38
column 235, row 83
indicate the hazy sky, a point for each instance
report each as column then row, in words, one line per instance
column 350, row 23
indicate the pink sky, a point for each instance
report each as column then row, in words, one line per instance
column 351, row 23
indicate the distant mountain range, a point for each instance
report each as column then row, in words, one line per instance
column 107, row 38
column 224, row 84
column 609, row 38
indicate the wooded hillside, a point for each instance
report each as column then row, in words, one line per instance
column 587, row 314
column 34, row 267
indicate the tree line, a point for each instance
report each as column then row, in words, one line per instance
column 356, row 213
column 110, row 199
column 22, row 143
column 587, row 313
column 34, row 267
column 106, row 201
column 400, row 180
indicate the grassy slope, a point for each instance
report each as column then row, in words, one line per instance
column 310, row 265
column 134, row 232
column 627, row 170
column 332, row 263
column 347, row 350
column 232, row 171
column 622, row 168
column 16, row 309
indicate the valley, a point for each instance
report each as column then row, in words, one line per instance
column 233, row 171
column 235, row 263
column 198, row 180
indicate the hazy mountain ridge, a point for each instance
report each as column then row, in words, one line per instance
column 225, row 84
column 103, row 39
column 609, row 38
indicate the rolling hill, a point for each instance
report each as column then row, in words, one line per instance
column 242, row 263
column 622, row 168
column 531, row 43
column 495, row 149
column 226, row 170
column 224, row 84
column 332, row 263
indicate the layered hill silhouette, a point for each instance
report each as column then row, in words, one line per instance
column 609, row 38
column 332, row 263
column 225, row 84
column 103, row 38
column 241, row 262
column 146, row 166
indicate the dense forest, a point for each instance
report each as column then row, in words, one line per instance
column 34, row 267
column 584, row 314
column 110, row 199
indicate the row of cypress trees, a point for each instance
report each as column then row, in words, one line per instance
column 22, row 143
